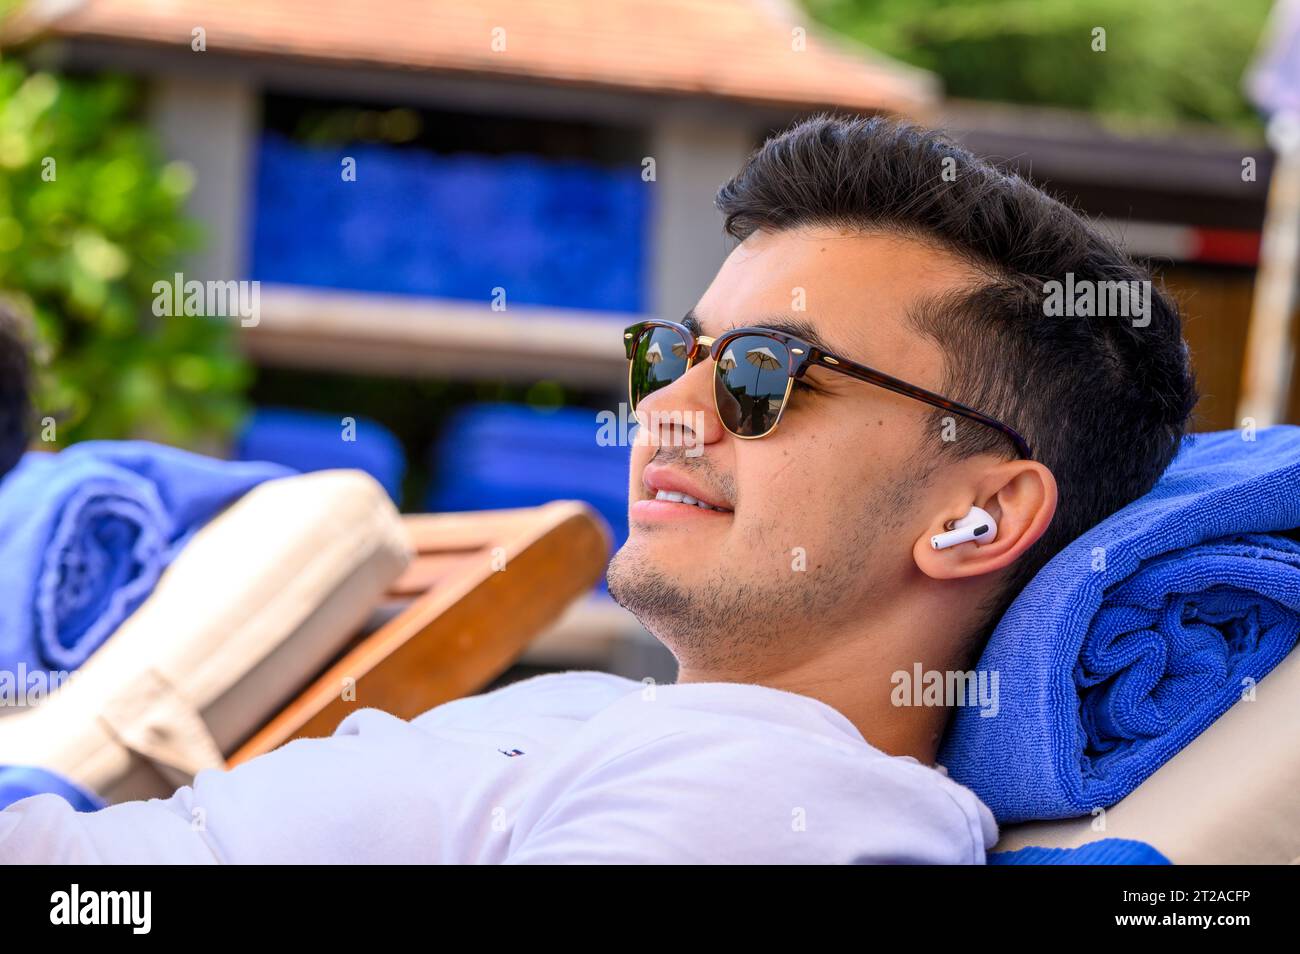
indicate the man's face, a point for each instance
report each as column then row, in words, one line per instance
column 825, row 510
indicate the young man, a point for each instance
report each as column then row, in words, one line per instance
column 895, row 291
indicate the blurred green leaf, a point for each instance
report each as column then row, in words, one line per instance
column 91, row 215
column 1165, row 60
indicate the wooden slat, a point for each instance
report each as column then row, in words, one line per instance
column 427, row 570
column 464, row 631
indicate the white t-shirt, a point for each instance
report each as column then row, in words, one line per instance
column 574, row 767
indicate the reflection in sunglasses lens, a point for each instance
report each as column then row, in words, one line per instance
column 753, row 375
column 659, row 360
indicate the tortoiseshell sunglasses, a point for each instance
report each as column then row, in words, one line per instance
column 755, row 371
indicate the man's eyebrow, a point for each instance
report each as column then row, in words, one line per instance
column 798, row 327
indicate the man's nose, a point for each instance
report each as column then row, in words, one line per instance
column 682, row 413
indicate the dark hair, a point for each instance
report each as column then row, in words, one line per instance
column 15, row 384
column 1102, row 402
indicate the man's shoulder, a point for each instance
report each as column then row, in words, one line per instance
column 710, row 791
column 574, row 693
column 764, row 771
column 569, row 683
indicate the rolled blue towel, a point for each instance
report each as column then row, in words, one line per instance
column 22, row 781
column 1107, row 851
column 1141, row 633
column 85, row 534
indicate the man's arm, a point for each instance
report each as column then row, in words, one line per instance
column 45, row 829
column 363, row 794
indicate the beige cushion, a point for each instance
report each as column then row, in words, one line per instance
column 1232, row 796
column 258, row 602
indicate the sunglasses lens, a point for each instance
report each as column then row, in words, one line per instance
column 751, row 384
column 659, row 360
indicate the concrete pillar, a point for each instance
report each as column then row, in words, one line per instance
column 213, row 125
column 693, row 156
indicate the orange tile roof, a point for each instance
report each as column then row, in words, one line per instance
column 728, row 49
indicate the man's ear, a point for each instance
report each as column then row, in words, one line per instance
column 1020, row 495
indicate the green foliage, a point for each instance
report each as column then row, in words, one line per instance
column 1165, row 60
column 90, row 218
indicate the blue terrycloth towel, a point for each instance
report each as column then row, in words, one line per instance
column 23, row 781
column 85, row 534
column 1141, row 633
column 1107, row 851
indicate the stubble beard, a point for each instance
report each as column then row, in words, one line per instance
column 716, row 620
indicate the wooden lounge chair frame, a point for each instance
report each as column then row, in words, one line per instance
column 481, row 586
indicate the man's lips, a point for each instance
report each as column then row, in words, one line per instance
column 667, row 511
column 658, row 480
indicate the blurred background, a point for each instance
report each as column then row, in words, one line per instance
column 453, row 209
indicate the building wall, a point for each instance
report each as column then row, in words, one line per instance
column 212, row 125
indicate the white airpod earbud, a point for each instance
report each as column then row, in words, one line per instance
column 977, row 525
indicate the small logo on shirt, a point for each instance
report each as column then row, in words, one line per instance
column 512, row 753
